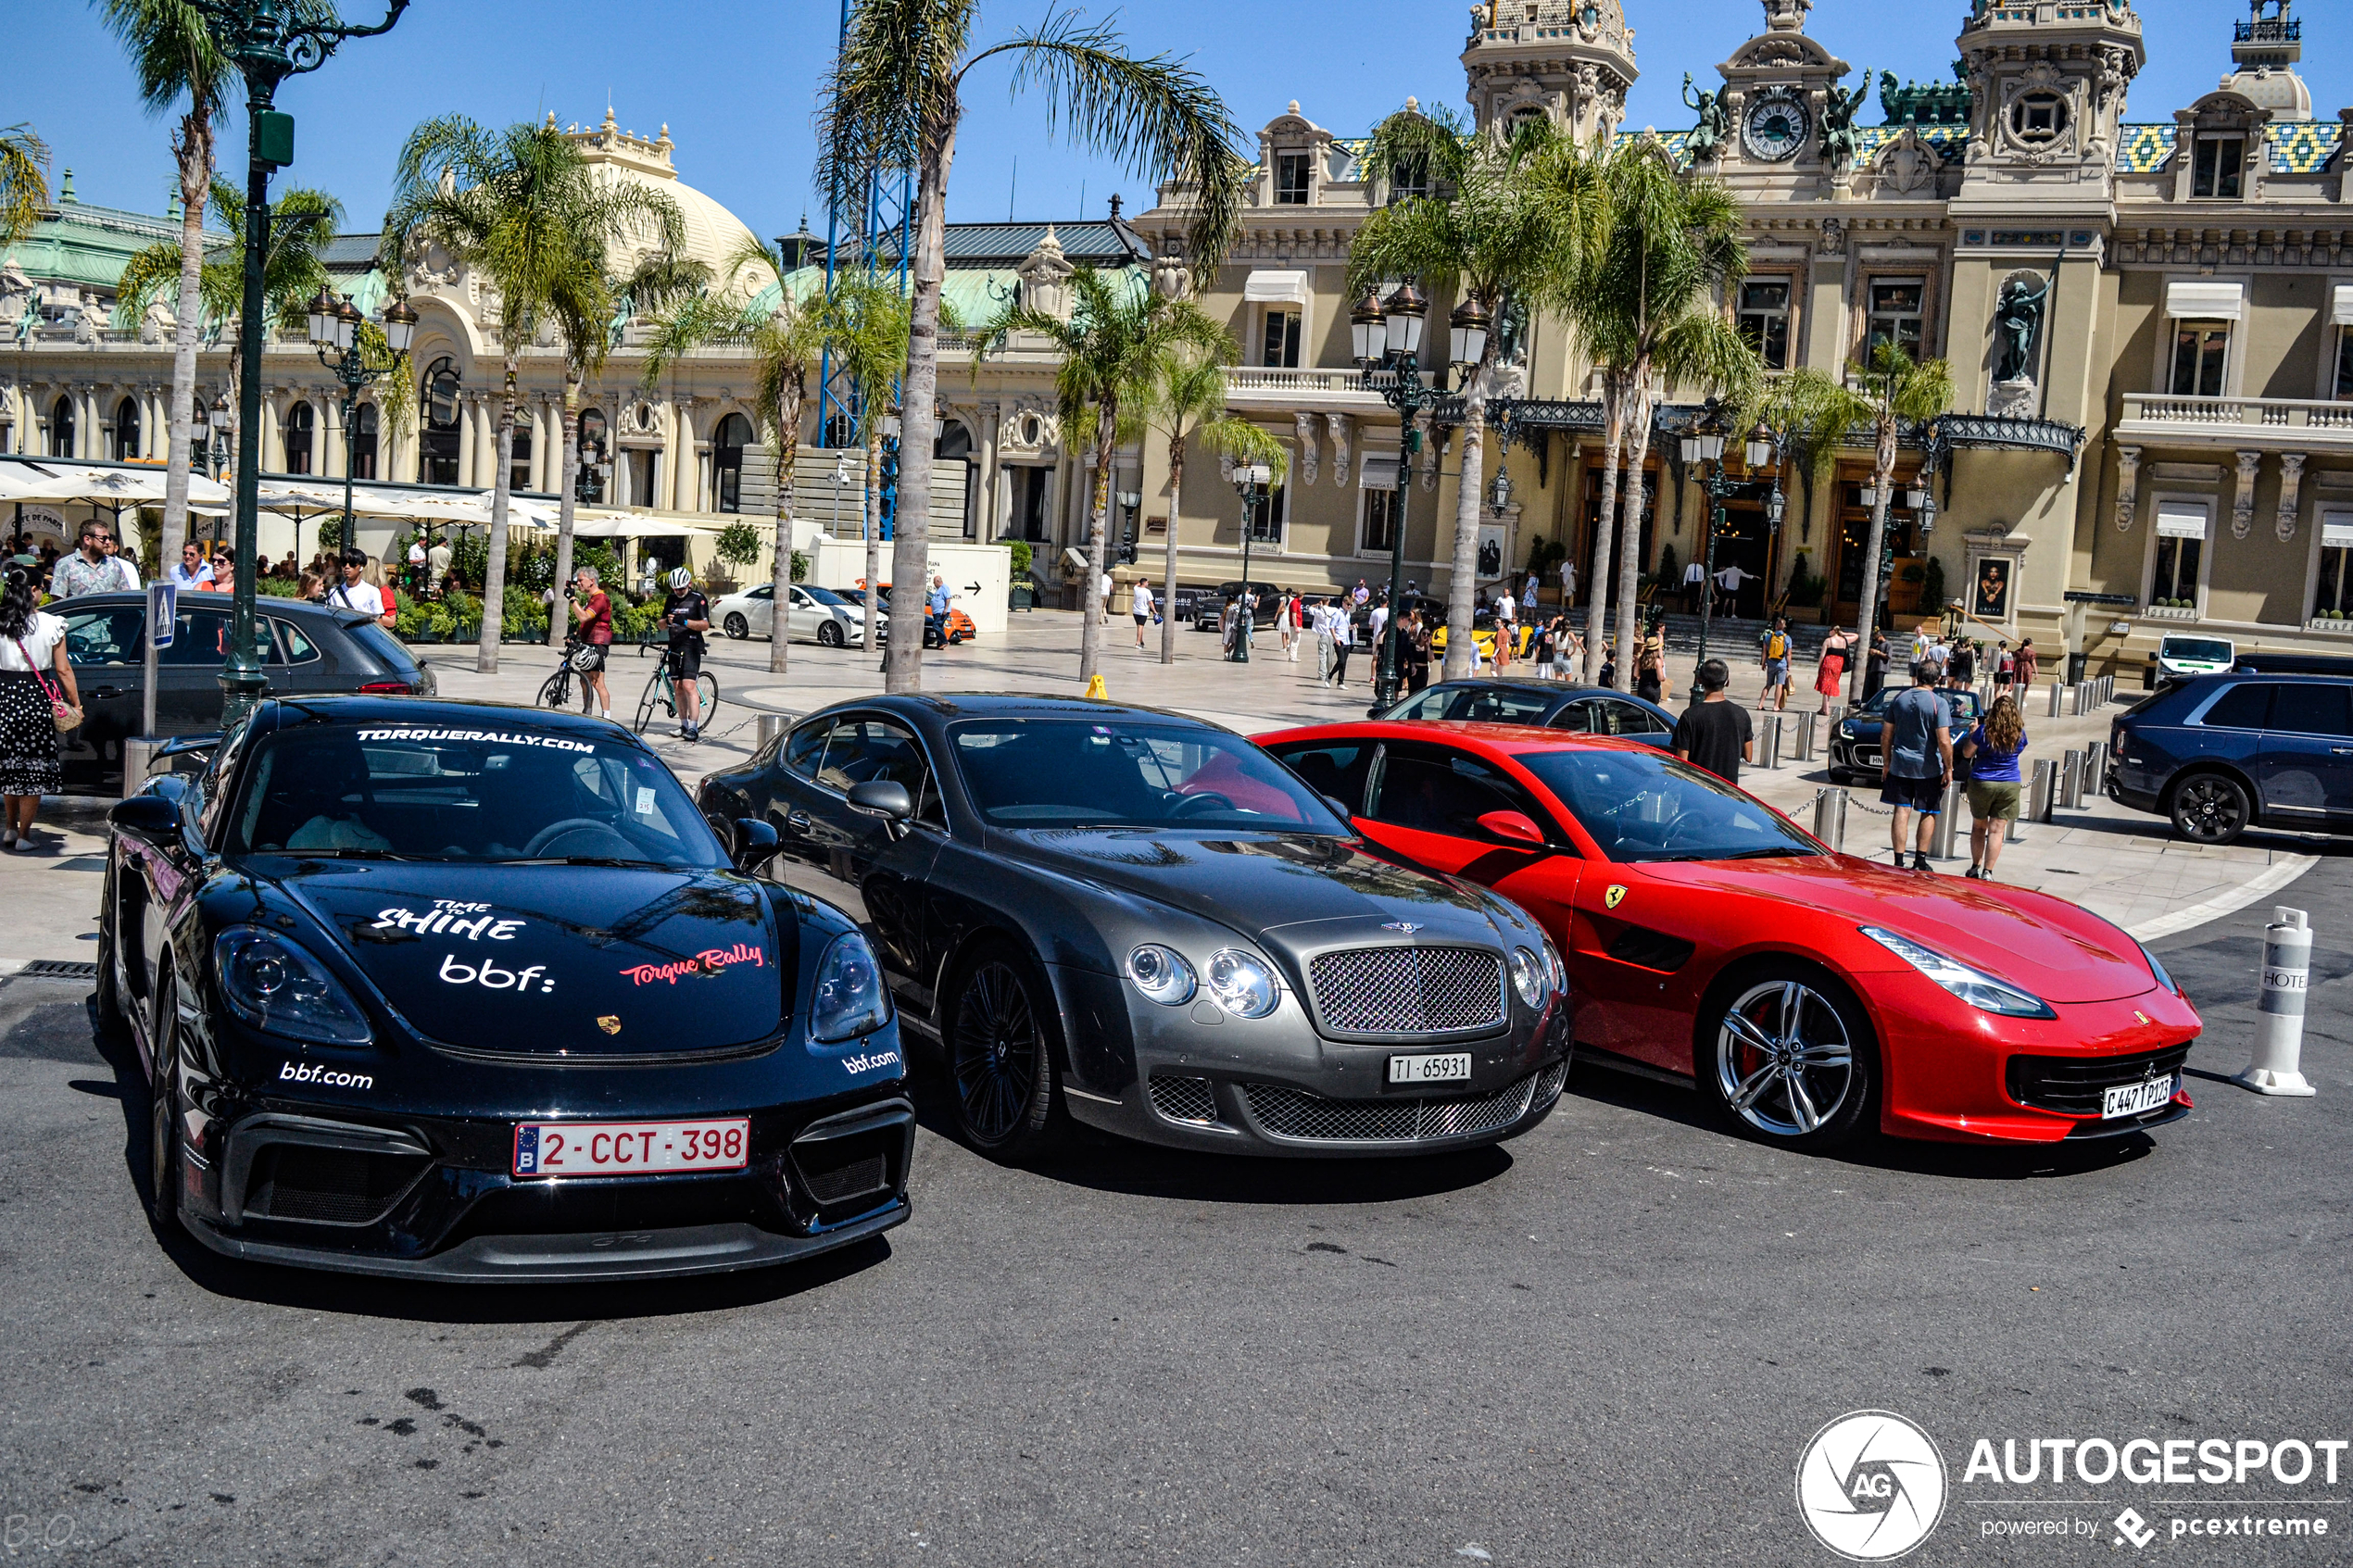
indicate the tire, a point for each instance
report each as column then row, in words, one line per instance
column 830, row 634
column 736, row 626
column 1821, row 1096
column 646, row 703
column 163, row 1134
column 1002, row 1041
column 707, row 685
column 557, row 692
column 2210, row 809
column 105, row 1002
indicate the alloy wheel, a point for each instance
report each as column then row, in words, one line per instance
column 738, row 627
column 2210, row 810
column 997, row 1052
column 1784, row 1063
column 829, row 635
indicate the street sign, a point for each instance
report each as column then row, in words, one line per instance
column 163, row 611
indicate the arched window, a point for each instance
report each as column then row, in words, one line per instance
column 727, row 443
column 437, row 448
column 61, row 428
column 363, row 442
column 302, row 424
column 593, row 438
column 126, row 432
column 519, row 465
column 956, row 446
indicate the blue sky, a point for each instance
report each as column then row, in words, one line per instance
column 735, row 84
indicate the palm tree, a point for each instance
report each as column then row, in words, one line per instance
column 1644, row 306
column 784, row 338
column 1186, row 402
column 24, row 181
column 1506, row 225
column 1120, row 335
column 865, row 323
column 1897, row 390
column 521, row 208
column 895, row 101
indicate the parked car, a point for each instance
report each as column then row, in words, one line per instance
column 1483, row 634
column 1857, row 754
column 2218, row 754
column 306, row 649
column 1558, row 705
column 817, row 615
column 1811, row 997
column 2180, row 655
column 1209, row 604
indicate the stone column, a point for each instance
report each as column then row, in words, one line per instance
column 469, row 421
column 273, row 435
column 547, row 446
column 678, row 457
column 984, row 506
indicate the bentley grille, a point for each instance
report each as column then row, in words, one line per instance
column 1408, row 990
column 1294, row 1113
column 1184, row 1098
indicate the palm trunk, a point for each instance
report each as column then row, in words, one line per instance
column 918, row 413
column 1604, row 525
column 1883, row 466
column 1168, row 568
column 1462, row 647
column 568, row 480
column 1090, row 635
column 780, row 567
column 1630, row 538
column 871, row 505
column 494, row 575
column 192, row 147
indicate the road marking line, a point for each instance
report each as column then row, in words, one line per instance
column 2256, row 888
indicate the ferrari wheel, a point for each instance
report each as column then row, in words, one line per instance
column 1789, row 1057
column 829, row 635
column 737, row 627
column 1000, row 1054
column 2210, row 809
column 163, row 1130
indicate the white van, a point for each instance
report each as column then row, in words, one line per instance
column 2186, row 654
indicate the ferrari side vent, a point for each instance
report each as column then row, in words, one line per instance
column 1646, row 949
column 327, row 1187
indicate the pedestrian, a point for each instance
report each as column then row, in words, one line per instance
column 1102, row 603
column 1994, row 748
column 1694, row 584
column 1527, row 593
column 936, row 612
column 437, row 563
column 591, row 609
column 93, row 569
column 353, row 593
column 130, row 563
column 1961, row 673
column 310, row 587
column 1361, row 595
column 1568, row 649
column 1829, row 675
column 1378, row 620
column 1229, row 619
column 1875, row 665
column 1140, row 607
column 29, row 704
column 2027, row 659
column 1284, row 626
column 2004, row 668
column 1919, row 761
column 1547, row 645
column 1650, row 664
column 1507, row 631
column 1923, row 644
column 1714, row 733
column 1416, row 651
column 1343, row 635
column 1772, row 647
column 194, row 571
column 1569, row 582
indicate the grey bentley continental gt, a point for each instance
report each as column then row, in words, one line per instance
column 1141, row 922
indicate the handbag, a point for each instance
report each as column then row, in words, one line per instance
column 66, row 716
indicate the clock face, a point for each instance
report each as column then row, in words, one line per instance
column 1775, row 126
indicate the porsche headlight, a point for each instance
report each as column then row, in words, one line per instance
column 1161, row 973
column 276, row 985
column 850, row 998
column 1242, row 984
column 1528, row 977
column 1974, row 986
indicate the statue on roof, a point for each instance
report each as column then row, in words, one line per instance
column 1838, row 120
column 1714, row 126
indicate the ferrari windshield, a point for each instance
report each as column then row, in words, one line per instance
column 494, row 792
column 1643, row 806
column 1129, row 774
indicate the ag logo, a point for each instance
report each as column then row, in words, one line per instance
column 1614, row 897
column 610, row 1024
column 1871, row 1486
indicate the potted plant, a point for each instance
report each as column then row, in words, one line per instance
column 1025, row 589
column 737, row 546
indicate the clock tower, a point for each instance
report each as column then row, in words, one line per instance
column 1783, row 116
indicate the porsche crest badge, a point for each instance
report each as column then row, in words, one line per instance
column 1614, row 897
column 610, row 1024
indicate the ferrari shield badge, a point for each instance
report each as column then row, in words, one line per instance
column 610, row 1024
column 1614, row 897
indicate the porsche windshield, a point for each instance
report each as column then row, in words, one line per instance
column 1119, row 774
column 1640, row 806
column 493, row 793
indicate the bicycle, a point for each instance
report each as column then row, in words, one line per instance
column 557, row 692
column 661, row 689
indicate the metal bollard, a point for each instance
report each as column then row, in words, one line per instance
column 1948, row 821
column 1768, row 748
column 1830, row 818
column 2070, row 787
column 771, row 726
column 2057, row 695
column 2038, row 799
column 2095, row 770
column 1806, row 737
column 2279, row 1038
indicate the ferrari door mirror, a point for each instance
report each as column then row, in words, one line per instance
column 887, row 798
column 1514, row 825
column 755, row 843
column 153, row 816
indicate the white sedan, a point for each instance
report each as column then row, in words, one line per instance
column 817, row 615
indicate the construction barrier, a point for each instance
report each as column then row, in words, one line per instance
column 2279, row 1039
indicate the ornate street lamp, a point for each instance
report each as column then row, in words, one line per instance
column 1251, row 481
column 269, row 40
column 1705, row 445
column 334, row 333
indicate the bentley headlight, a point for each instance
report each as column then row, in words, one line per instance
column 1162, row 974
column 1242, row 984
column 278, row 986
column 1974, row 986
column 1556, row 969
column 850, row 998
column 1528, row 977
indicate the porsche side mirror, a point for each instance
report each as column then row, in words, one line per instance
column 154, row 816
column 885, row 798
column 755, row 843
column 1514, row 825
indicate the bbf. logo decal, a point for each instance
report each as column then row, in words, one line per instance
column 1614, row 897
column 1871, row 1486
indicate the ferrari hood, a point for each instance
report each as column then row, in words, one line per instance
column 2043, row 944
column 579, row 960
column 1261, row 883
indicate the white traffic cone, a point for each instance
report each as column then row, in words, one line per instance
column 2279, row 1039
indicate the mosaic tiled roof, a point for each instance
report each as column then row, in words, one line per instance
column 2143, row 149
column 2297, row 146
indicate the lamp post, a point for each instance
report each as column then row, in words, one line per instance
column 1251, row 481
column 269, row 40
column 1130, row 502
column 334, row 333
column 1705, row 445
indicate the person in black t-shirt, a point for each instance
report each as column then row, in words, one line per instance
column 686, row 614
column 1714, row 733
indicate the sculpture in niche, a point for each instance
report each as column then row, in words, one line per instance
column 1714, row 126
column 2127, row 491
column 2290, row 482
column 1343, row 428
column 1310, row 451
column 1839, row 109
column 2243, row 503
column 2018, row 316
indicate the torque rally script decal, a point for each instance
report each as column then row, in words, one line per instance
column 709, row 962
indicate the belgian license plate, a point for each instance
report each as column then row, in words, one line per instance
column 2132, row 1100
column 1452, row 1068
column 631, row 1148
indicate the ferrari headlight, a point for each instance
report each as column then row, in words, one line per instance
column 2164, row 977
column 1528, row 977
column 1242, row 984
column 1974, row 986
column 1161, row 974
column 278, row 986
column 850, row 998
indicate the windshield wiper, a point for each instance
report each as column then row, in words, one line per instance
column 350, row 855
column 583, row 860
column 1773, row 852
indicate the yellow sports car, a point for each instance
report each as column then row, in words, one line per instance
column 1483, row 634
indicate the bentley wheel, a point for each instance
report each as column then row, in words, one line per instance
column 1789, row 1059
column 2210, row 809
column 1000, row 1054
column 738, row 627
column 829, row 635
column 163, row 1129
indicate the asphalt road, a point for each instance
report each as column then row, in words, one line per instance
column 1607, row 1342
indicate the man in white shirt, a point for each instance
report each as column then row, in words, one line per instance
column 1569, row 582
column 355, row 593
column 1105, row 587
column 1140, row 607
column 1380, row 619
column 1505, row 611
column 437, row 561
column 1319, row 626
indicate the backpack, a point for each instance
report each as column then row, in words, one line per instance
column 1777, row 646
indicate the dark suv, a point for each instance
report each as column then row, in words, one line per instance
column 2220, row 753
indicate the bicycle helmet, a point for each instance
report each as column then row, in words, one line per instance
column 682, row 578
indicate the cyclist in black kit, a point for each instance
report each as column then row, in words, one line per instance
column 686, row 614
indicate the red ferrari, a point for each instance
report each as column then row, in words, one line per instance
column 1809, row 995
